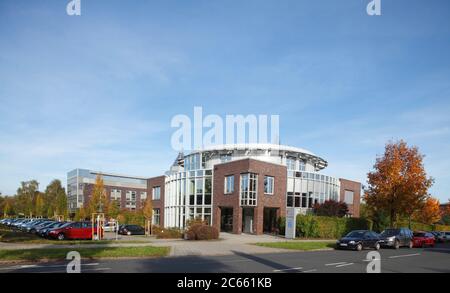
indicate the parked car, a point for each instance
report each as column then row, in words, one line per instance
column 45, row 231
column 110, row 227
column 446, row 236
column 43, row 226
column 423, row 239
column 438, row 236
column 396, row 238
column 358, row 240
column 32, row 228
column 131, row 230
column 75, row 230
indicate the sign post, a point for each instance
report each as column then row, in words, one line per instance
column 290, row 223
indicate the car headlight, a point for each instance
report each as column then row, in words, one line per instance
column 391, row 238
column 351, row 242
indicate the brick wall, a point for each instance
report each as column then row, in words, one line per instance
column 277, row 200
column 356, row 188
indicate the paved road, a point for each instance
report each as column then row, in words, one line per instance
column 392, row 261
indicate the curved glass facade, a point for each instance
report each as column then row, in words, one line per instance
column 189, row 186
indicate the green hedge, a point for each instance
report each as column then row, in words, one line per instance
column 309, row 226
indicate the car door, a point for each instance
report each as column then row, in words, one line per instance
column 75, row 231
column 403, row 237
column 366, row 240
column 86, row 231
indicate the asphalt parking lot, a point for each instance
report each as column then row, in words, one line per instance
column 417, row 260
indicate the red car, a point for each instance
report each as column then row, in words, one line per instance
column 75, row 230
column 423, row 239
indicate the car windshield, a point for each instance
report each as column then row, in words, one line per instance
column 390, row 232
column 418, row 234
column 355, row 234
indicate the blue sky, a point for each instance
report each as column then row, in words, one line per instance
column 99, row 91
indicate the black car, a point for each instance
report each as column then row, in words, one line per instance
column 358, row 240
column 396, row 238
column 131, row 230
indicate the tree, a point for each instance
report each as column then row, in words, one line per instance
column 7, row 210
column 80, row 214
column 331, row 208
column 430, row 213
column 57, row 198
column 113, row 209
column 399, row 184
column 98, row 202
column 26, row 195
column 39, row 206
column 148, row 214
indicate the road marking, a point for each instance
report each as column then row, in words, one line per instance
column 21, row 267
column 82, row 271
column 369, row 260
column 290, row 269
column 404, row 255
column 345, row 264
column 310, row 271
column 28, row 266
column 335, row 264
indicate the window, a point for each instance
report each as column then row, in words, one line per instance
column 304, row 200
column 116, row 194
column 156, row 217
column 268, row 184
column 229, row 184
column 156, row 193
column 131, row 199
column 348, row 197
column 302, row 165
column 290, row 163
column 143, row 196
column 248, row 190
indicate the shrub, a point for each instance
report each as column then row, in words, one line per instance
column 198, row 229
column 306, row 226
column 167, row 233
column 331, row 208
column 281, row 223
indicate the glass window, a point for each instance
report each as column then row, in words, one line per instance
column 207, row 185
column 156, row 217
column 304, row 200
column 269, row 184
column 156, row 193
column 229, row 184
column 302, row 165
column 348, row 197
column 290, row 163
column 248, row 190
column 199, row 185
column 207, row 199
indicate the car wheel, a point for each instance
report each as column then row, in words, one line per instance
column 128, row 233
column 377, row 246
column 61, row 236
column 396, row 244
column 359, row 247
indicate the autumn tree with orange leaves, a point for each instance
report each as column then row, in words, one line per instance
column 398, row 185
column 430, row 213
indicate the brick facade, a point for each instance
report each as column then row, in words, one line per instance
column 355, row 187
column 157, row 204
column 221, row 200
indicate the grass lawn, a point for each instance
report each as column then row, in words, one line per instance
column 297, row 245
column 9, row 236
column 91, row 253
